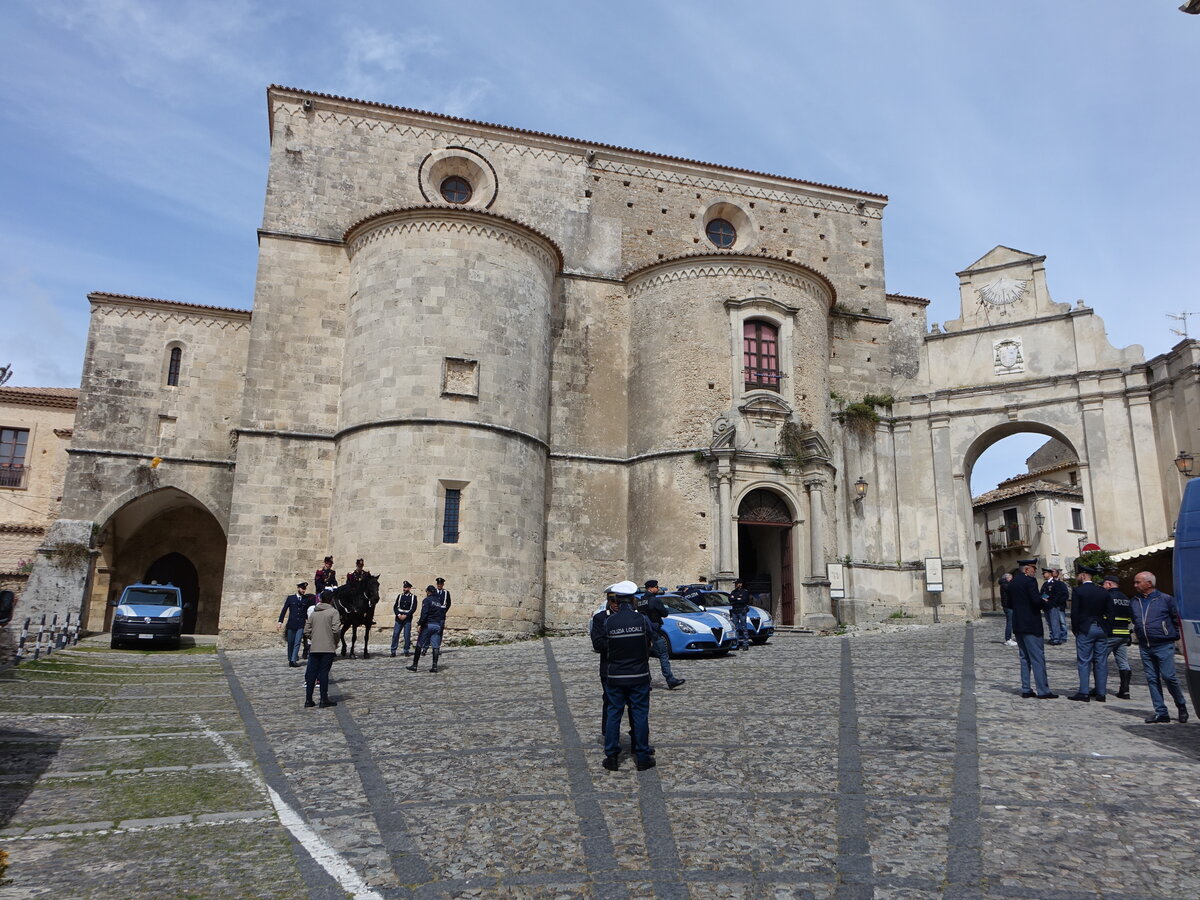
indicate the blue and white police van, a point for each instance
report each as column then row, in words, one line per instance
column 1187, row 583
column 148, row 615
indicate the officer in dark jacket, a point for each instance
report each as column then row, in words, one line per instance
column 295, row 607
column 403, row 611
column 431, row 623
column 1027, row 607
column 626, row 642
column 1156, row 622
column 596, row 632
column 739, row 607
column 1056, row 594
column 1091, row 623
column 653, row 608
column 1006, row 605
column 1119, row 640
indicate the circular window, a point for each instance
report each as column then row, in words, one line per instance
column 456, row 190
column 721, row 233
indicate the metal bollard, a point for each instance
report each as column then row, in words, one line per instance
column 21, row 641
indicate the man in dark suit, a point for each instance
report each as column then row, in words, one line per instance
column 1027, row 606
column 1091, row 623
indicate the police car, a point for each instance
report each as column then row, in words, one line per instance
column 148, row 615
column 758, row 621
column 691, row 630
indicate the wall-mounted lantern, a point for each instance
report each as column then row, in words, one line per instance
column 860, row 488
column 1039, row 519
column 1183, row 462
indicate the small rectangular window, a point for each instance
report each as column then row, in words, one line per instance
column 450, row 516
column 1076, row 519
column 14, row 444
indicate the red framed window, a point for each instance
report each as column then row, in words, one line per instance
column 760, row 352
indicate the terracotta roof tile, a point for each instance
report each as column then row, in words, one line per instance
column 558, row 137
column 1029, row 487
column 62, row 398
column 112, row 296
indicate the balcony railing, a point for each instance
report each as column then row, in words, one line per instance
column 762, row 378
column 12, row 475
column 1009, row 537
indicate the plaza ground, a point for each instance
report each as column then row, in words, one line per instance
column 886, row 765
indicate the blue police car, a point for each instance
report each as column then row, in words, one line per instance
column 758, row 621
column 693, row 631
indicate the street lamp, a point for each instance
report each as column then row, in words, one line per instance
column 1183, row 462
column 1039, row 519
column 860, row 488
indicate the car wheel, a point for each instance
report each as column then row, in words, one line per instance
column 758, row 640
column 114, row 644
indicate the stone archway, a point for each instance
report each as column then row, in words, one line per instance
column 765, row 560
column 163, row 535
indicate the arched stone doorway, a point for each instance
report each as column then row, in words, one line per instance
column 177, row 569
column 163, row 535
column 765, row 552
column 1038, row 509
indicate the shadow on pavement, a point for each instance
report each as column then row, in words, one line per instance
column 27, row 755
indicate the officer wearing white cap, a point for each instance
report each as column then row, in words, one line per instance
column 625, row 644
column 596, row 632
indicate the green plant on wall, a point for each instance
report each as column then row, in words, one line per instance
column 861, row 416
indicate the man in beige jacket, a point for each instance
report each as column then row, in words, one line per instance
column 321, row 630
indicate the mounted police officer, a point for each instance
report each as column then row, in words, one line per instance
column 655, row 610
column 404, row 609
column 739, row 608
column 326, row 577
column 625, row 645
column 430, row 625
column 1091, row 623
column 1027, row 607
column 1119, row 641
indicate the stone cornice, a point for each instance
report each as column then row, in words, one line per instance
column 736, row 265
column 148, row 307
column 1010, row 326
column 127, row 454
column 510, row 139
column 453, row 219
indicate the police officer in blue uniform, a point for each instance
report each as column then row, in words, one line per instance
column 403, row 610
column 295, row 607
column 430, row 625
column 653, row 608
column 1091, row 623
column 1119, row 640
column 1027, row 607
column 625, row 643
column 739, row 608
column 596, row 632
column 1055, row 594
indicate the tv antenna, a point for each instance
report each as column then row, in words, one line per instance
column 5, row 374
column 1182, row 317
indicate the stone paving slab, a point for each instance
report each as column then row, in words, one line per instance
column 881, row 765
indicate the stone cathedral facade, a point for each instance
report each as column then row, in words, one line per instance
column 536, row 365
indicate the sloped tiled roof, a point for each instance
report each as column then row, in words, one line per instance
column 1028, row 487
column 60, row 398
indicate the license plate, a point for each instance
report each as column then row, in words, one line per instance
column 145, row 637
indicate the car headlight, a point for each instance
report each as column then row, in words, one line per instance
column 686, row 628
column 767, row 621
column 119, row 617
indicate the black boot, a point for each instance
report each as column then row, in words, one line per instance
column 435, row 659
column 416, row 659
column 1183, row 713
column 308, row 689
column 1123, row 690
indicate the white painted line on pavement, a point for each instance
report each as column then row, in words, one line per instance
column 318, row 848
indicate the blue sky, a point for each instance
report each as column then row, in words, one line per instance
column 135, row 132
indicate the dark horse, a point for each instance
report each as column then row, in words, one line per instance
column 355, row 603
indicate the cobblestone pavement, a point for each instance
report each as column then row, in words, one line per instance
column 884, row 765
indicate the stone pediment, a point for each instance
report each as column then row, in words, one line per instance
column 765, row 404
column 1001, row 256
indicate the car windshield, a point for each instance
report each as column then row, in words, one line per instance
column 150, row 597
column 677, row 604
column 713, row 598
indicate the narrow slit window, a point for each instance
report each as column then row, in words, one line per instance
column 450, row 517
column 173, row 366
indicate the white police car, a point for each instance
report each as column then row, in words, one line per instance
column 148, row 615
column 758, row 621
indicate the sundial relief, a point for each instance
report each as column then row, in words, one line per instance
column 1000, row 293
